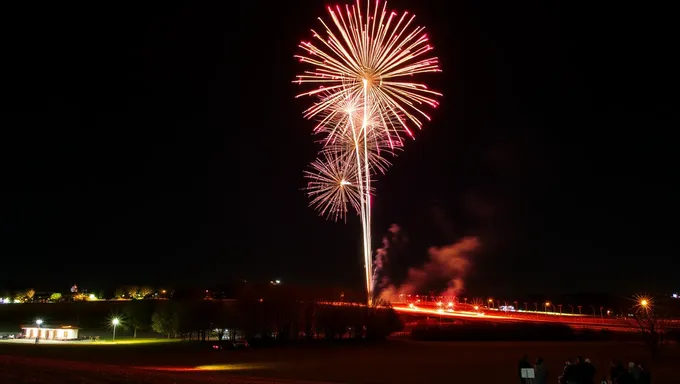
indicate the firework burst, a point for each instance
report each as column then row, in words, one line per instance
column 362, row 68
column 349, row 130
column 332, row 185
column 372, row 51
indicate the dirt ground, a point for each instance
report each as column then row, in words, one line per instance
column 398, row 361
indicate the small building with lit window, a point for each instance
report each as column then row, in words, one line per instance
column 50, row 332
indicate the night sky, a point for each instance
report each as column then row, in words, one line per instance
column 162, row 145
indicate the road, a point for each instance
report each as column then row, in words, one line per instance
column 486, row 315
column 469, row 312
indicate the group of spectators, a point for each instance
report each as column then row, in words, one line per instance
column 581, row 371
column 635, row 374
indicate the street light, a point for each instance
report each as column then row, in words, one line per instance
column 545, row 307
column 115, row 323
column 39, row 322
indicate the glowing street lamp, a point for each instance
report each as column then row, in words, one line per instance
column 643, row 303
column 39, row 322
column 115, row 323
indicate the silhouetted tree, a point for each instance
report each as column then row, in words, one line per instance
column 165, row 320
column 56, row 296
column 120, row 292
column 24, row 295
column 132, row 291
column 137, row 317
column 382, row 321
column 145, row 291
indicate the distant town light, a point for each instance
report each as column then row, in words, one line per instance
column 92, row 296
column 675, row 295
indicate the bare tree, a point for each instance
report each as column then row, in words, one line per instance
column 650, row 324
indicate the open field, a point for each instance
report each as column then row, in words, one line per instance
column 396, row 361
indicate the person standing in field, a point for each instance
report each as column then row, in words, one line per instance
column 541, row 372
column 523, row 363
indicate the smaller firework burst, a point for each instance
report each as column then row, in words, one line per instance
column 332, row 185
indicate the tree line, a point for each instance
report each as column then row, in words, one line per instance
column 259, row 319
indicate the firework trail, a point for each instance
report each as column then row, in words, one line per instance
column 361, row 68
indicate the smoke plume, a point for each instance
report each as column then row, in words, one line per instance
column 380, row 278
column 449, row 263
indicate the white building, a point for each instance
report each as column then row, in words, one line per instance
column 50, row 332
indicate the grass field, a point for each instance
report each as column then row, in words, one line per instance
column 396, row 361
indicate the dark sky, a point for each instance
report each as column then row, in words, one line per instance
column 162, row 145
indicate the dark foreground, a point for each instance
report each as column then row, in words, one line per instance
column 398, row 361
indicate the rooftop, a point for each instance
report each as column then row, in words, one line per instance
column 49, row 326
